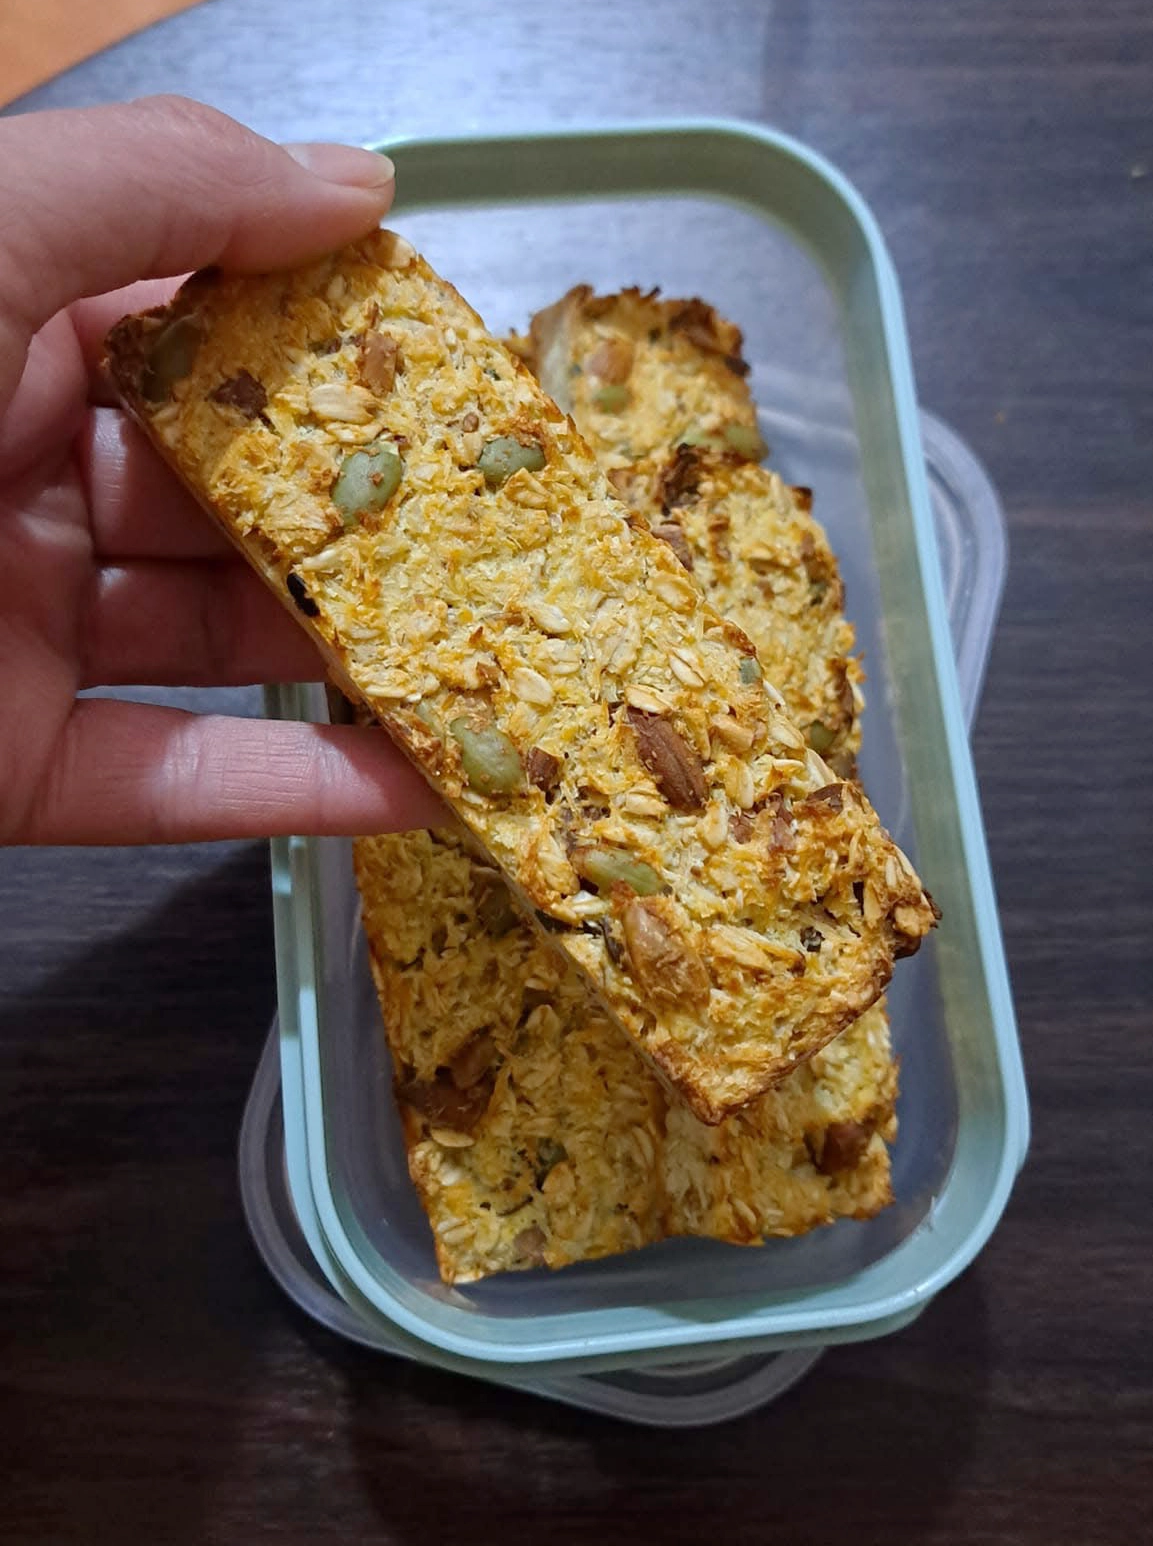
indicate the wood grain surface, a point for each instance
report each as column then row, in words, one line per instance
column 154, row 1384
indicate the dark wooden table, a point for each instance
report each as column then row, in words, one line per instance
column 154, row 1384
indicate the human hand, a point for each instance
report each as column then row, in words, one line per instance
column 109, row 574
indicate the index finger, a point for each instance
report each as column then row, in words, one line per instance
column 95, row 199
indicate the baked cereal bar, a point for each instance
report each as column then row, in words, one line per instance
column 536, row 1134
column 450, row 542
column 659, row 391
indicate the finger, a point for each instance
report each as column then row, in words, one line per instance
column 205, row 623
column 137, row 506
column 47, row 408
column 98, row 198
column 133, row 773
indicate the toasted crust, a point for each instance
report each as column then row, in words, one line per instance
column 481, row 618
column 536, row 1134
column 680, row 444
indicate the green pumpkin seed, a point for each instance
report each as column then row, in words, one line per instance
column 549, row 1154
column 171, row 357
column 613, row 398
column 750, row 670
column 745, row 440
column 821, row 737
column 494, row 908
column 709, row 441
column 604, row 867
column 367, row 480
column 504, row 456
column 490, row 761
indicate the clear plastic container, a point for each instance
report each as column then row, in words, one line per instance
column 971, row 540
column 800, row 266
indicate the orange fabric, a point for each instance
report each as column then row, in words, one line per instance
column 39, row 38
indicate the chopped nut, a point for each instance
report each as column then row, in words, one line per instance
column 542, row 768
column 673, row 533
column 782, row 833
column 731, row 732
column 843, row 1147
column 697, row 320
column 679, row 479
column 871, row 907
column 441, row 1102
column 665, row 965
column 832, row 795
column 473, row 1061
column 741, row 826
column 378, row 362
column 530, row 686
column 611, row 360
column 678, row 771
column 335, row 402
column 529, row 1246
column 242, row 392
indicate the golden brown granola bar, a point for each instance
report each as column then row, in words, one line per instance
column 536, row 1134
column 658, row 390
column 451, row 544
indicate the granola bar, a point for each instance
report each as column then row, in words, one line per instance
column 658, row 389
column 451, row 544
column 536, row 1134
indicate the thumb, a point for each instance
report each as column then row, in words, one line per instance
column 91, row 200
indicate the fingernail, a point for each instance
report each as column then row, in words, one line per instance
column 346, row 165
